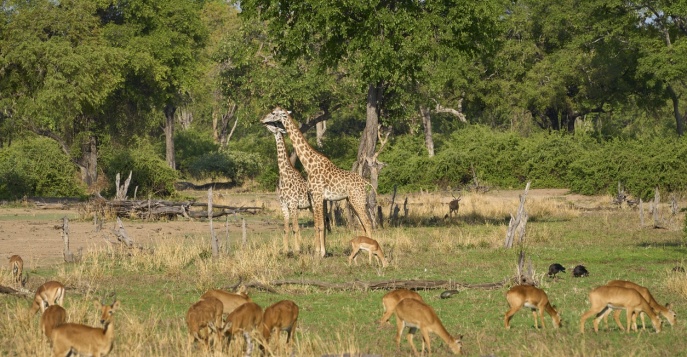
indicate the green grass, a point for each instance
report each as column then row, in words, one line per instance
column 156, row 295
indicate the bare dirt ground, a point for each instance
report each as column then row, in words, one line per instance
column 35, row 234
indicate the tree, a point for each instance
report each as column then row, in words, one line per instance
column 162, row 40
column 383, row 45
column 56, row 71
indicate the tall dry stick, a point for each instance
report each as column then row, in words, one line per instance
column 213, row 236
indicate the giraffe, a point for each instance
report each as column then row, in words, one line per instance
column 293, row 190
column 325, row 180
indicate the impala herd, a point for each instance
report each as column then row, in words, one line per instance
column 219, row 315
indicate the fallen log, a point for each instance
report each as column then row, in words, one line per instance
column 394, row 284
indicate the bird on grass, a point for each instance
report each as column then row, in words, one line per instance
column 580, row 271
column 554, row 269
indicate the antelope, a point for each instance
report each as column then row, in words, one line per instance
column 368, row 244
column 454, row 205
column 392, row 298
column 532, row 298
column 80, row 339
column 50, row 293
column 205, row 317
column 246, row 318
column 230, row 301
column 17, row 266
column 52, row 317
column 282, row 315
column 604, row 298
column 417, row 315
column 666, row 310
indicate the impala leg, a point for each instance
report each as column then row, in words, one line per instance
column 534, row 314
column 541, row 317
column 629, row 314
column 584, row 318
column 616, row 317
column 427, row 341
column 509, row 315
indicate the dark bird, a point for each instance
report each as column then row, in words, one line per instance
column 678, row 269
column 447, row 294
column 554, row 269
column 580, row 271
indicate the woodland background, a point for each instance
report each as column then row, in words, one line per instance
column 566, row 94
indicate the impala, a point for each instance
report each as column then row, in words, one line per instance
column 283, row 316
column 415, row 314
column 50, row 293
column 52, row 317
column 85, row 340
column 246, row 318
column 17, row 266
column 533, row 298
column 604, row 298
column 666, row 310
column 391, row 299
column 230, row 301
column 372, row 248
column 203, row 319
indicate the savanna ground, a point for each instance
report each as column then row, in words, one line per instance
column 158, row 283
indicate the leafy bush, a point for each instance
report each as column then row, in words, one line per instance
column 235, row 166
column 549, row 160
column 37, row 167
column 189, row 145
column 149, row 172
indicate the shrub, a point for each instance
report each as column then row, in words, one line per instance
column 234, row 165
column 37, row 167
column 149, row 172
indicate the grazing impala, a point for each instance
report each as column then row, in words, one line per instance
column 246, row 319
column 533, row 298
column 391, row 299
column 85, row 340
column 283, row 316
column 204, row 319
column 230, row 301
column 605, row 298
column 368, row 244
column 48, row 294
column 17, row 266
column 52, row 317
column 415, row 314
column 666, row 310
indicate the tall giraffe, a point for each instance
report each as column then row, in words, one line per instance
column 293, row 190
column 325, row 180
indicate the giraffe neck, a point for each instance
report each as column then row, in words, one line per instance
column 306, row 154
column 282, row 155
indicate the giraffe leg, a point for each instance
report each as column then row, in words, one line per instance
column 285, row 212
column 359, row 205
column 318, row 212
column 296, row 231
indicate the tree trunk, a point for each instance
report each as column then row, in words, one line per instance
column 680, row 126
column 185, row 118
column 320, row 129
column 169, row 136
column 427, row 125
column 368, row 140
column 89, row 161
column 223, row 134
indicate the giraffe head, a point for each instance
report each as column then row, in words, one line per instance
column 277, row 115
column 276, row 128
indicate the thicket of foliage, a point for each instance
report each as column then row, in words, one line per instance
column 506, row 160
column 37, row 167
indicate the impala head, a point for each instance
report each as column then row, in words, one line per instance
column 457, row 347
column 107, row 310
column 277, row 115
